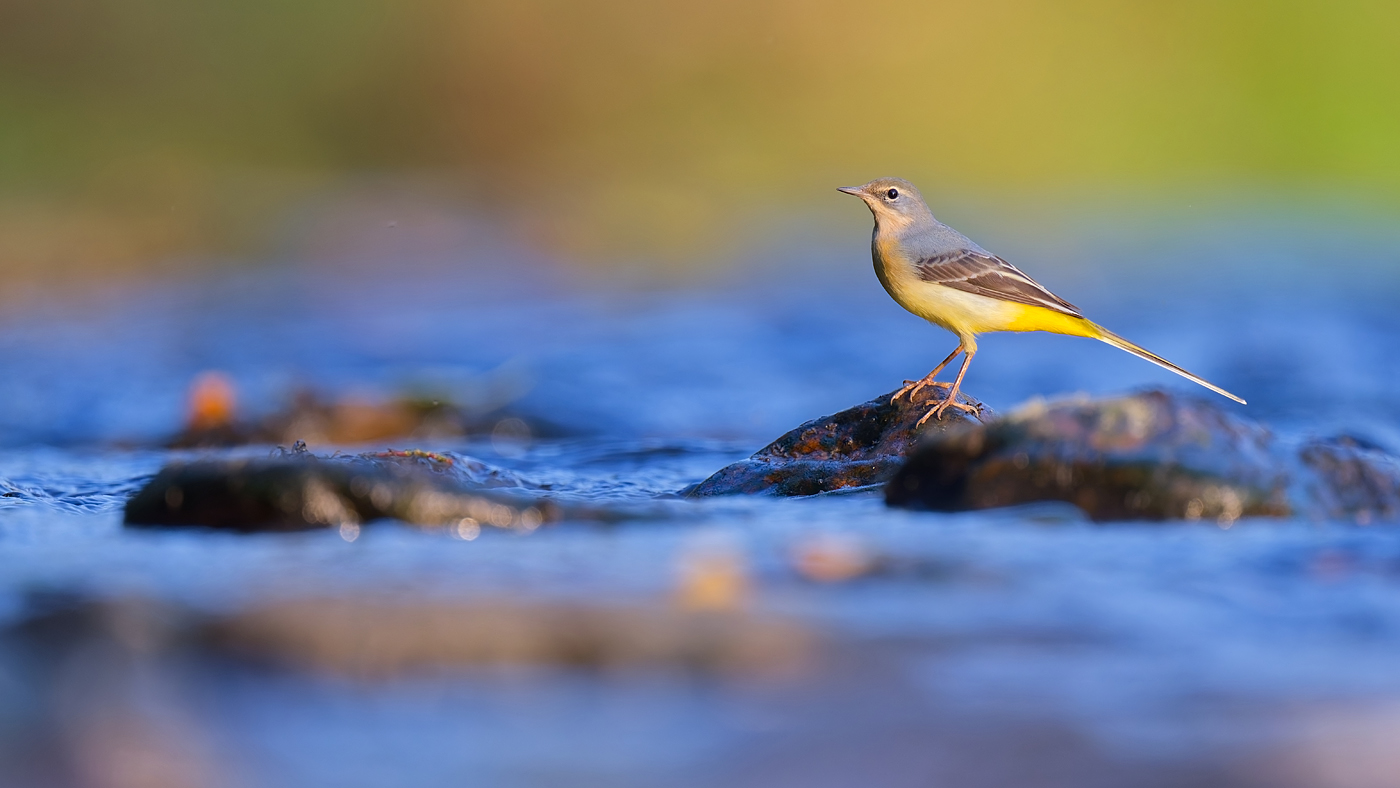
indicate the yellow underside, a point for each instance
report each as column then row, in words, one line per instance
column 968, row 314
column 1035, row 318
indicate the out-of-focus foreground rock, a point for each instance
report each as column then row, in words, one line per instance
column 858, row 447
column 109, row 693
column 388, row 638
column 1148, row 456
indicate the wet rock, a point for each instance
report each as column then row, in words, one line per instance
column 1149, row 456
column 858, row 447
column 297, row 491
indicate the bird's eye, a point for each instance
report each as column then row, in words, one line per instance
column 892, row 193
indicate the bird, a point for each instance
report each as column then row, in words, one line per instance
column 942, row 276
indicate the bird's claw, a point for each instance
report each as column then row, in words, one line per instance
column 913, row 387
column 938, row 410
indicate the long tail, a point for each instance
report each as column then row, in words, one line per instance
column 1113, row 339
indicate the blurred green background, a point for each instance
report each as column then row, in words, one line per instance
column 139, row 131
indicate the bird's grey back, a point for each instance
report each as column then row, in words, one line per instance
column 931, row 238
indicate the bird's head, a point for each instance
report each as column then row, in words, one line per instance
column 894, row 201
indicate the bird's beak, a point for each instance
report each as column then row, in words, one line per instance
column 849, row 190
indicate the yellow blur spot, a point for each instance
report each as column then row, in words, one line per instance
column 712, row 576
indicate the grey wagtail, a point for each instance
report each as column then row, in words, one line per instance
column 940, row 275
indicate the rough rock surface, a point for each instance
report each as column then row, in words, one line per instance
column 1148, row 456
column 858, row 447
column 297, row 491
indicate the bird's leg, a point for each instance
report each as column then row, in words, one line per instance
column 913, row 387
column 951, row 400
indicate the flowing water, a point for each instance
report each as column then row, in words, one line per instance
column 1026, row 646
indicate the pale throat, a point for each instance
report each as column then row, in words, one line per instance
column 888, row 236
column 891, row 223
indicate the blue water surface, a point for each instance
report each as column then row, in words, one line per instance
column 1025, row 646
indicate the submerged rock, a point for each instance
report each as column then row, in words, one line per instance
column 858, row 447
column 1149, row 456
column 297, row 491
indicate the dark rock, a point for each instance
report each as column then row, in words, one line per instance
column 1149, row 456
column 296, row 491
column 858, row 447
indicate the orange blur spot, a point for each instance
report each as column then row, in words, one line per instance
column 213, row 401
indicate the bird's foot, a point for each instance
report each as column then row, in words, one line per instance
column 938, row 410
column 913, row 387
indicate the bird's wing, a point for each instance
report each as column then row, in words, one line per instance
column 988, row 275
